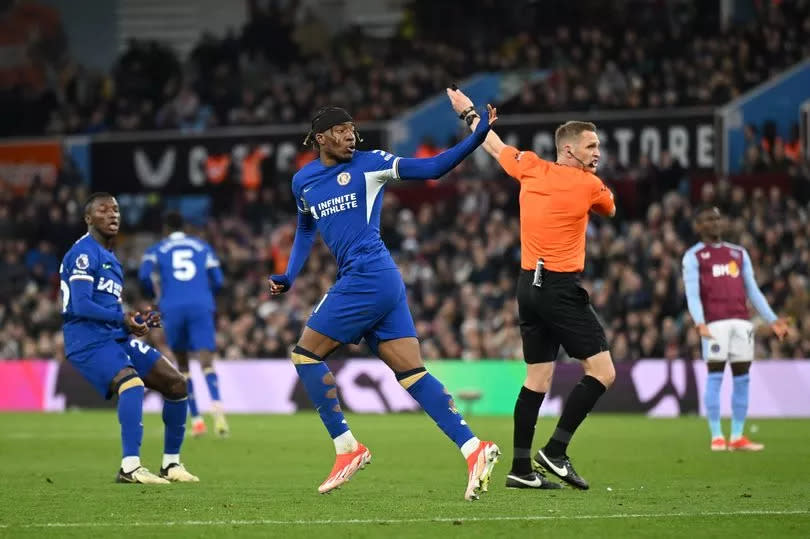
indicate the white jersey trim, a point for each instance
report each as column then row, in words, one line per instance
column 374, row 184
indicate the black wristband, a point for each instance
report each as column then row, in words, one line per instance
column 466, row 111
column 470, row 117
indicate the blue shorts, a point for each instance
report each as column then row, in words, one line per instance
column 100, row 363
column 189, row 329
column 370, row 306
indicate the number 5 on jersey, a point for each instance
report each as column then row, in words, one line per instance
column 184, row 268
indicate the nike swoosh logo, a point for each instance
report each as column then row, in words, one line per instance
column 106, row 266
column 307, row 189
column 562, row 472
column 536, row 482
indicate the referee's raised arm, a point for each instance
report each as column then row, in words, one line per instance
column 554, row 310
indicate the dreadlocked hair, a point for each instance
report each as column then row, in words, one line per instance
column 310, row 141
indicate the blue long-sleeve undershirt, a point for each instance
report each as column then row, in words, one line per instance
column 216, row 278
column 411, row 168
column 81, row 297
column 302, row 245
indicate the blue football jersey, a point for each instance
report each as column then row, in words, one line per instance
column 345, row 200
column 91, row 314
column 188, row 270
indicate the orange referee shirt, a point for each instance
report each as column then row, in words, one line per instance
column 554, row 205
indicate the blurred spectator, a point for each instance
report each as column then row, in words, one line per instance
column 459, row 258
column 459, row 254
column 285, row 63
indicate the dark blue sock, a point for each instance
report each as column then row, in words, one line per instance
column 192, row 403
column 213, row 383
column 320, row 385
column 439, row 405
column 130, row 415
column 174, row 425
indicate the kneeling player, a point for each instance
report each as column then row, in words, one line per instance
column 718, row 277
column 98, row 343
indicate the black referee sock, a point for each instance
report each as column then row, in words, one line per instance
column 527, row 406
column 580, row 402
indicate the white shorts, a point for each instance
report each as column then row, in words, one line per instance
column 732, row 340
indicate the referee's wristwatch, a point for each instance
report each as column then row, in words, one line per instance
column 469, row 114
column 466, row 111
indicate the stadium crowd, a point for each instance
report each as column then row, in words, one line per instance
column 283, row 65
column 459, row 256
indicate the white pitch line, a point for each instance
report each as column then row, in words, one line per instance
column 264, row 522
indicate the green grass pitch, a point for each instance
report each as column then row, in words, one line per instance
column 649, row 477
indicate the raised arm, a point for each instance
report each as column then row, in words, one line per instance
column 435, row 167
column 461, row 103
column 302, row 245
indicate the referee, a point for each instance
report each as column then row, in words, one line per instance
column 554, row 309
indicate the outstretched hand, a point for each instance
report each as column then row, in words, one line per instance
column 492, row 112
column 458, row 100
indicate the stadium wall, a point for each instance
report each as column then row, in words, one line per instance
column 778, row 100
column 433, row 118
column 178, row 162
column 686, row 133
column 654, row 387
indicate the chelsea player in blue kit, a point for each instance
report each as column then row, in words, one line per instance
column 340, row 195
column 189, row 275
column 99, row 343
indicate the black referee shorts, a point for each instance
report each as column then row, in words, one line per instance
column 557, row 313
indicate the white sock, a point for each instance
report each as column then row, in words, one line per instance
column 170, row 459
column 345, row 443
column 216, row 407
column 129, row 464
column 470, row 446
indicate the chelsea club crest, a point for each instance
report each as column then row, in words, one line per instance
column 344, row 178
